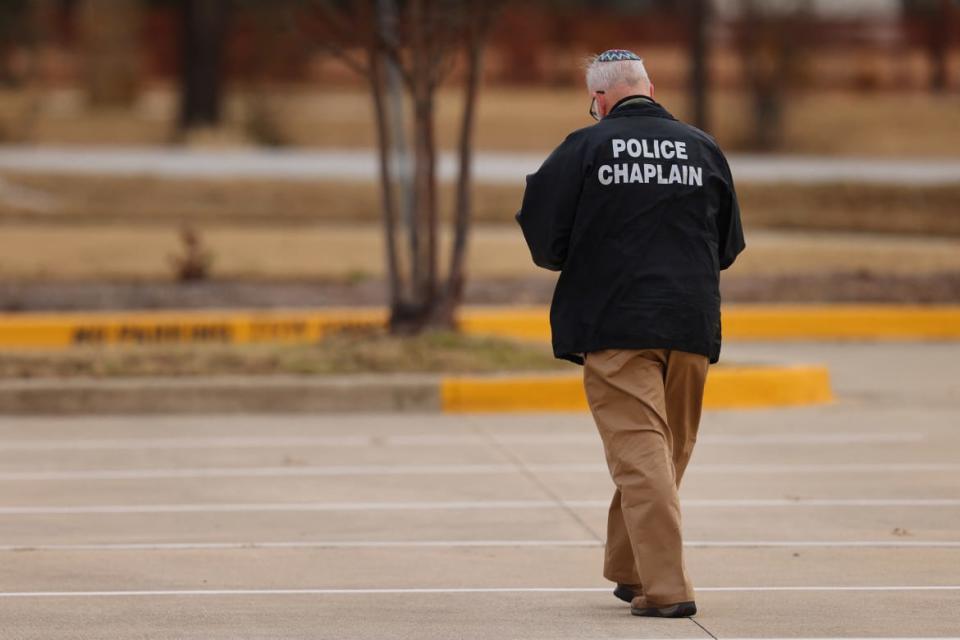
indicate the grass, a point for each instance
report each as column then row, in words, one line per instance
column 354, row 253
column 508, row 118
column 130, row 201
column 369, row 351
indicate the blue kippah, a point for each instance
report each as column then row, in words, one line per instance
column 615, row 55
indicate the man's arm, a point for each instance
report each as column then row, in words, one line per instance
column 728, row 222
column 550, row 204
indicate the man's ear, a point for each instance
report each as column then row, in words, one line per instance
column 651, row 89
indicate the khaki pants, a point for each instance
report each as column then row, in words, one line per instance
column 647, row 404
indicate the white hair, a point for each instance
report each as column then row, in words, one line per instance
column 602, row 76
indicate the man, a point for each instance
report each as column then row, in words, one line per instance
column 638, row 214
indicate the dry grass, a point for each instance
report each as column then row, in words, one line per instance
column 508, row 118
column 130, row 201
column 366, row 352
column 343, row 252
column 355, row 253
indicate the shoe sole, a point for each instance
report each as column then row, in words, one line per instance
column 624, row 594
column 681, row 610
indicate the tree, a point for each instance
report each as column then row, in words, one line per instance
column 699, row 57
column 407, row 51
column 111, row 47
column 936, row 18
column 770, row 38
column 202, row 39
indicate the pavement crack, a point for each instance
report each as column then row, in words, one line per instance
column 536, row 480
column 705, row 630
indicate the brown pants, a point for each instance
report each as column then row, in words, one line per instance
column 647, row 404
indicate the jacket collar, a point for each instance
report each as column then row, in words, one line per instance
column 638, row 105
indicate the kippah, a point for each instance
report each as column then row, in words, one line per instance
column 615, row 55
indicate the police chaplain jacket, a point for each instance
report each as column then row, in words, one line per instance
column 639, row 249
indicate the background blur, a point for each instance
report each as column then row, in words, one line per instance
column 855, row 105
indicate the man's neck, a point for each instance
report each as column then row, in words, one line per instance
column 631, row 99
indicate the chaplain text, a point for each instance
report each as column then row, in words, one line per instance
column 644, row 173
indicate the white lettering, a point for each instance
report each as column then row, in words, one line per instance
column 633, row 148
column 618, row 146
column 674, row 174
column 649, row 171
column 667, row 146
column 603, row 174
column 635, row 173
column 681, row 150
column 620, row 173
column 696, row 176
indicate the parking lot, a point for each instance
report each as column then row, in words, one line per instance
column 841, row 520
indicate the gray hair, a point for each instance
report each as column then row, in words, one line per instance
column 601, row 76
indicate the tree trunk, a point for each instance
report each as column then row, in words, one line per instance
column 699, row 57
column 445, row 311
column 938, row 45
column 111, row 46
column 201, row 50
column 376, row 78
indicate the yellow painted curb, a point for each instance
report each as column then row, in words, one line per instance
column 837, row 322
column 727, row 388
column 755, row 322
column 762, row 322
column 178, row 327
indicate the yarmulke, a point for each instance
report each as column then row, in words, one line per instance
column 615, row 55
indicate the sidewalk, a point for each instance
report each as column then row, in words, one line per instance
column 489, row 167
column 728, row 387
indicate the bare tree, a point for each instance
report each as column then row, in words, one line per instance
column 936, row 20
column 111, row 47
column 418, row 44
column 699, row 59
column 770, row 37
column 201, row 59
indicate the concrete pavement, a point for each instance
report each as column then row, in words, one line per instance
column 489, row 166
column 831, row 521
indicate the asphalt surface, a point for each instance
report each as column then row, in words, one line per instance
column 837, row 521
column 489, row 167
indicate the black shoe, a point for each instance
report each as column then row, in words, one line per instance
column 625, row 592
column 679, row 610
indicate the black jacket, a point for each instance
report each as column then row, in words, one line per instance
column 639, row 214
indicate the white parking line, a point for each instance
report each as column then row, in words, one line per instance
column 437, row 590
column 455, row 469
column 461, row 505
column 432, row 440
column 453, row 544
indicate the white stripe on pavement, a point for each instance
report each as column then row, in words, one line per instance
column 454, row 469
column 436, row 590
column 432, row 440
column 460, row 505
column 453, row 544
column 492, row 167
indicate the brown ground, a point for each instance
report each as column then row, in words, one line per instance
column 353, row 253
column 370, row 352
column 943, row 287
column 827, row 122
column 89, row 200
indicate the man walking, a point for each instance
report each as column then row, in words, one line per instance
column 639, row 215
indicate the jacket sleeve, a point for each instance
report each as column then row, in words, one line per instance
column 728, row 221
column 550, row 204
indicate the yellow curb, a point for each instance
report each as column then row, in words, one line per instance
column 878, row 322
column 727, row 388
column 757, row 322
column 178, row 327
column 762, row 322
